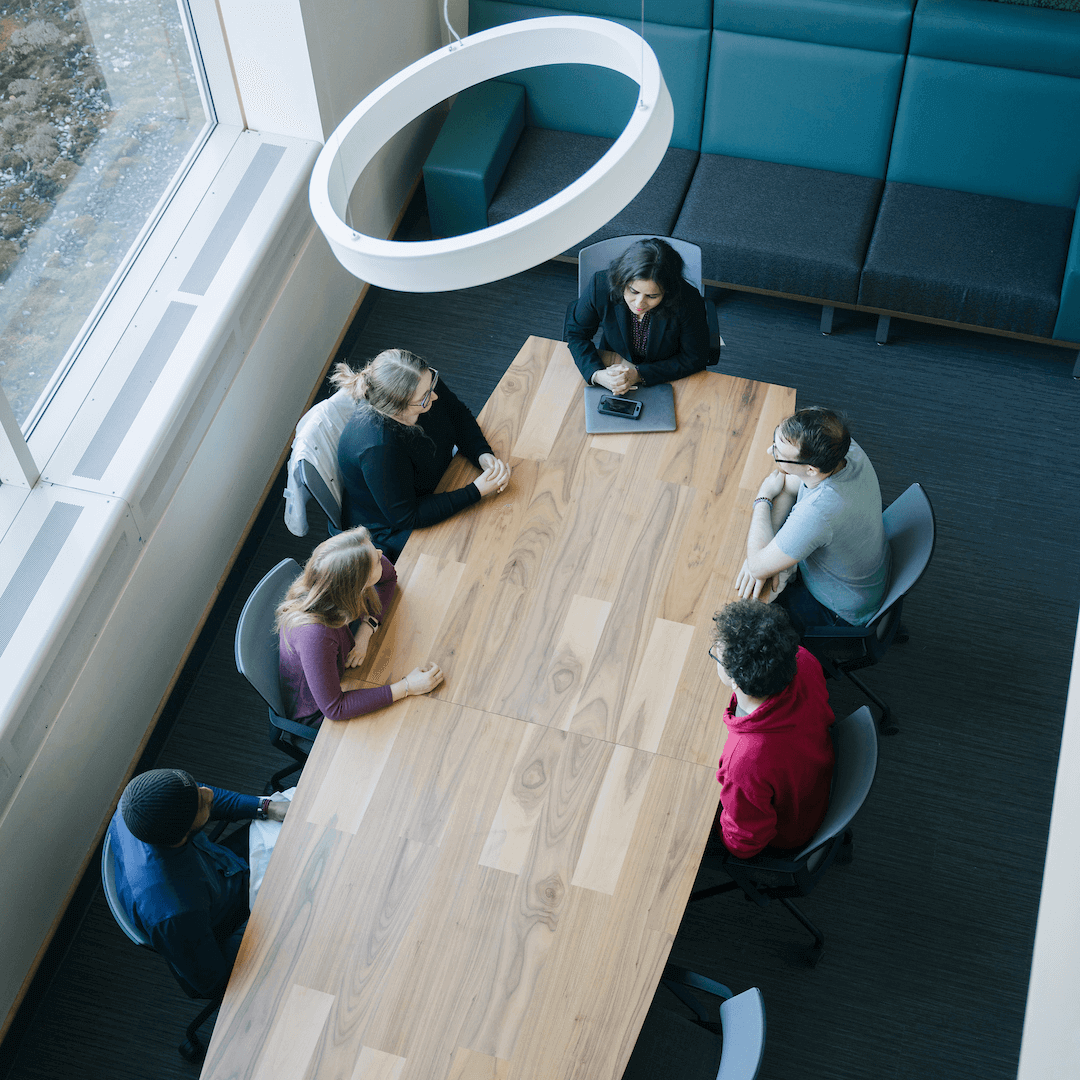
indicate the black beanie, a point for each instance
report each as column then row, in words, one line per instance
column 159, row 806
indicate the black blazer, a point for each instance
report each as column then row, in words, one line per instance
column 678, row 345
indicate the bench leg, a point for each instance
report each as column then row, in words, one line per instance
column 882, row 335
column 826, row 318
column 1076, row 369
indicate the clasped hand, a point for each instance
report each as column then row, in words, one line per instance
column 619, row 378
column 494, row 478
column 422, row 680
column 361, row 641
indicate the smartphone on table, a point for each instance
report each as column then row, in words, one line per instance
column 617, row 406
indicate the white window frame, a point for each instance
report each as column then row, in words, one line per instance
column 25, row 448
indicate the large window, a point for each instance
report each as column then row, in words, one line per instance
column 101, row 108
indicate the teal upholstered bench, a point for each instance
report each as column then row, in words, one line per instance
column 470, row 156
column 573, row 114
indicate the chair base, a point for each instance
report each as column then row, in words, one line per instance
column 887, row 721
column 275, row 781
column 713, row 890
column 193, row 1049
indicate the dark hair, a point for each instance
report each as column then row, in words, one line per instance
column 759, row 646
column 821, row 435
column 649, row 260
column 160, row 806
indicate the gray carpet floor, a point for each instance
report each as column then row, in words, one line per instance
column 929, row 931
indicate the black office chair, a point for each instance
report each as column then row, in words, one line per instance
column 672, row 1045
column 599, row 256
column 842, row 650
column 319, row 490
column 192, row 1048
column 764, row 878
column 256, row 652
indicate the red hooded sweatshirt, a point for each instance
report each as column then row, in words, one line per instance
column 776, row 766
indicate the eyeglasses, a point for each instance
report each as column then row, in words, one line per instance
column 712, row 652
column 780, row 460
column 422, row 403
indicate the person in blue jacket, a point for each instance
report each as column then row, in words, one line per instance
column 649, row 315
column 186, row 893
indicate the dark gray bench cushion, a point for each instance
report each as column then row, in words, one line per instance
column 975, row 259
column 780, row 227
column 546, row 161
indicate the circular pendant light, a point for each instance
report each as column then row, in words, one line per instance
column 534, row 236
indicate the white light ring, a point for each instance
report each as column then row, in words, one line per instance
column 538, row 234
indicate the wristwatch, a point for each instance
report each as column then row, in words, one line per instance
column 264, row 805
column 371, row 621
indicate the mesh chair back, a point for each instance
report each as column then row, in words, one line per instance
column 743, row 1021
column 855, row 739
column 320, row 491
column 910, row 530
column 601, row 255
column 112, row 897
column 256, row 642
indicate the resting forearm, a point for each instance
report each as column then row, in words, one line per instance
column 761, row 532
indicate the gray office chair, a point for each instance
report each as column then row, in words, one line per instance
column 764, row 878
column 671, row 1045
column 256, row 651
column 842, row 650
column 599, row 256
column 319, row 490
column 192, row 1048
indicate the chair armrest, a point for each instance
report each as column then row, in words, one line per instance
column 684, row 976
column 470, row 155
column 293, row 727
column 1067, row 327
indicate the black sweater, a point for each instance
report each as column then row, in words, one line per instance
column 389, row 470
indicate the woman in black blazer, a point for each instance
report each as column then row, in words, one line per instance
column 649, row 315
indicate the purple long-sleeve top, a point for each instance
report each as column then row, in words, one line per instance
column 312, row 662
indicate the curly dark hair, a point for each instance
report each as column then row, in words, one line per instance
column 821, row 435
column 649, row 260
column 759, row 646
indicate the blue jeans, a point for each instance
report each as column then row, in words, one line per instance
column 804, row 610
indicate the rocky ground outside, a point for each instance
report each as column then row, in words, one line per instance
column 99, row 106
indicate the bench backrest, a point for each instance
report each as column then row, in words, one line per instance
column 597, row 101
column 798, row 82
column 991, row 102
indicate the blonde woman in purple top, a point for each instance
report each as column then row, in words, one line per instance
column 346, row 580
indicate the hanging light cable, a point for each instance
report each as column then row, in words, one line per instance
column 537, row 234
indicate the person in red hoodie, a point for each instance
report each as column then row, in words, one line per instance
column 776, row 766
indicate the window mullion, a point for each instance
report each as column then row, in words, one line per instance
column 16, row 462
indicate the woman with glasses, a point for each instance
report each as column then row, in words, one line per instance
column 394, row 451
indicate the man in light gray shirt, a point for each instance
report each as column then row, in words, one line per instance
column 820, row 509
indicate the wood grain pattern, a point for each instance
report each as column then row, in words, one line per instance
column 287, row 1054
column 484, row 883
column 648, row 707
column 375, row 1065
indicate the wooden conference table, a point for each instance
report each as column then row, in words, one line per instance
column 485, row 883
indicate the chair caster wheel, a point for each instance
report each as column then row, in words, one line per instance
column 193, row 1051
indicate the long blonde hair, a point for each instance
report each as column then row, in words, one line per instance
column 333, row 587
column 387, row 383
